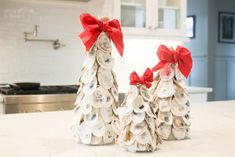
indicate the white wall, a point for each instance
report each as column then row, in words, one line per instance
column 33, row 61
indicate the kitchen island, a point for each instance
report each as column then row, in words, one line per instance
column 49, row 135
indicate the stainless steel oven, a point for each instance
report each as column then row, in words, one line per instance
column 46, row 98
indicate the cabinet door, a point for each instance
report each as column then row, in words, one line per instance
column 170, row 17
column 133, row 16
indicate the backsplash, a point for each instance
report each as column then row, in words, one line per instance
column 39, row 62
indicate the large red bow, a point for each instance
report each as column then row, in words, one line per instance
column 146, row 79
column 181, row 55
column 93, row 27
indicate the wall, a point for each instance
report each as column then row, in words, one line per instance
column 199, row 45
column 214, row 62
column 224, row 56
column 34, row 61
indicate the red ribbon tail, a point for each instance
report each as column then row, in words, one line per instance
column 89, row 38
column 160, row 65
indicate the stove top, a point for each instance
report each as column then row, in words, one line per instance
column 69, row 89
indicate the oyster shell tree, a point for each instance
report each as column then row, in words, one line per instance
column 170, row 94
column 138, row 121
column 97, row 98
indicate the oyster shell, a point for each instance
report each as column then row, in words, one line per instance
column 106, row 114
column 99, row 129
column 138, row 117
column 89, row 88
column 103, row 43
column 88, row 74
column 178, row 133
column 105, row 60
column 105, row 78
column 139, row 105
column 145, row 93
column 165, row 117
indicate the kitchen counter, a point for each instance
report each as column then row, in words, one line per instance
column 198, row 94
column 49, row 135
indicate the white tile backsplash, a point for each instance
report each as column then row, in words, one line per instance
column 38, row 61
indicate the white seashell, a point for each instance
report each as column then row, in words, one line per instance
column 151, row 124
column 114, row 79
column 144, row 138
column 114, row 107
column 166, row 73
column 181, row 98
column 109, row 99
column 106, row 114
column 99, row 129
column 165, row 117
column 105, row 60
column 85, row 134
column 128, row 109
column 108, row 135
column 178, row 123
column 186, row 119
column 150, row 113
column 124, row 114
column 165, row 89
column 91, row 119
column 114, row 93
column 139, row 105
column 103, row 43
column 137, row 129
column 105, row 78
column 164, row 105
column 179, row 134
column 80, row 88
column 86, row 104
column 96, row 140
column 145, row 93
column 89, row 60
column 127, row 120
column 129, row 138
column 164, row 130
column 138, row 117
column 79, row 99
column 88, row 74
column 132, row 94
column 99, row 97
column 116, row 125
column 179, row 109
column 89, row 88
column 178, row 74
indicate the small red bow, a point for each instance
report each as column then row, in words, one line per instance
column 181, row 55
column 146, row 79
column 93, row 27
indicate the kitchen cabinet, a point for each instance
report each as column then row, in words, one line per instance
column 152, row 18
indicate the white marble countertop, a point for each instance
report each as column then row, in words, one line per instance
column 49, row 135
column 194, row 90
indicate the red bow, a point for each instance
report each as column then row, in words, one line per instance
column 181, row 55
column 146, row 79
column 93, row 27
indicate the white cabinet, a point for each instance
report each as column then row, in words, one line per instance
column 157, row 18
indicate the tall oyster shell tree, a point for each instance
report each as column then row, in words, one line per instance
column 170, row 93
column 138, row 131
column 97, row 97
